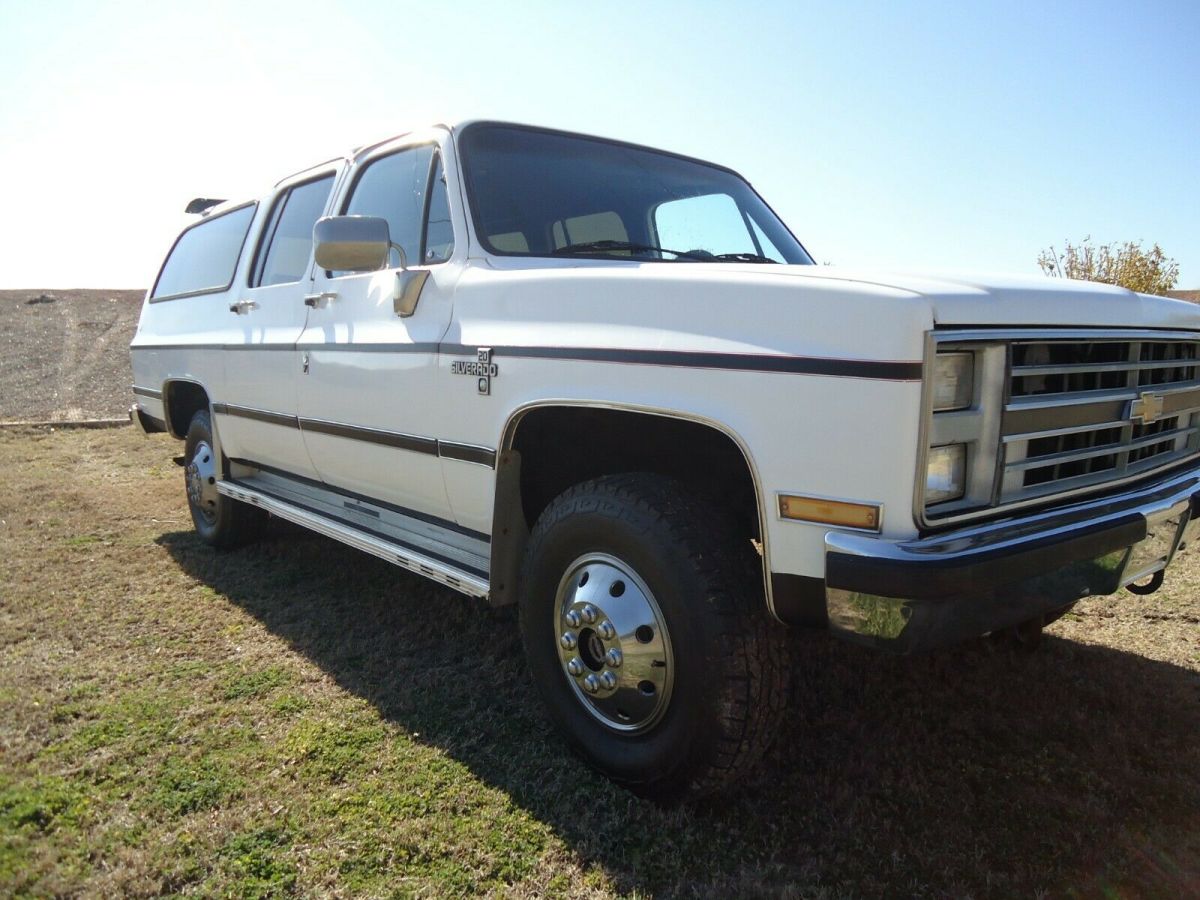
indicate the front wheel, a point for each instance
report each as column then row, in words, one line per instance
column 647, row 635
column 219, row 520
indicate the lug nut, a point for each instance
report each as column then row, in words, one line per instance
column 575, row 667
column 568, row 641
column 614, row 658
column 591, row 684
column 589, row 613
column 606, row 629
column 572, row 619
column 608, row 681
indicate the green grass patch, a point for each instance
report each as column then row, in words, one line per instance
column 336, row 750
column 260, row 863
column 81, row 540
column 43, row 804
column 245, row 685
column 289, row 704
column 183, row 786
column 135, row 722
column 189, row 669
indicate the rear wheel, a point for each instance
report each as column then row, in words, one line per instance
column 219, row 520
column 647, row 634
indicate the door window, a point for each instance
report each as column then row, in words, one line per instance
column 393, row 188
column 408, row 189
column 286, row 244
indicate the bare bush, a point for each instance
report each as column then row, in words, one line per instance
column 1126, row 264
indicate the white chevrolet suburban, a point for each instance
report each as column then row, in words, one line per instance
column 607, row 384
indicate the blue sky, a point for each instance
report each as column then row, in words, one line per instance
column 918, row 136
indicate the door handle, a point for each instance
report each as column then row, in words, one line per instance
column 316, row 301
column 242, row 307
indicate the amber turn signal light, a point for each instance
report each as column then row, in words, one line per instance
column 830, row 512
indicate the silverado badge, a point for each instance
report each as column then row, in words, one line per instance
column 483, row 369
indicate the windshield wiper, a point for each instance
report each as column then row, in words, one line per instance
column 610, row 246
column 616, row 246
column 745, row 257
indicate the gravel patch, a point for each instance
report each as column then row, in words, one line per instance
column 64, row 355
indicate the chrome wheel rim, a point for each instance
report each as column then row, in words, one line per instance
column 201, row 478
column 613, row 643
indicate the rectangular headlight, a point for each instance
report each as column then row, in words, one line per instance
column 953, row 381
column 945, row 474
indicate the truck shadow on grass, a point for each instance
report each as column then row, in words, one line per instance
column 969, row 771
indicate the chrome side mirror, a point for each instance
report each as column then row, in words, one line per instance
column 352, row 243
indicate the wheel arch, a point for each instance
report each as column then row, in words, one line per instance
column 182, row 398
column 515, row 509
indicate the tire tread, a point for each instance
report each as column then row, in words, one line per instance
column 753, row 647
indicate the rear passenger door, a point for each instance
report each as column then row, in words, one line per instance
column 369, row 402
column 257, row 418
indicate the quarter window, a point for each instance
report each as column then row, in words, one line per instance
column 439, row 233
column 286, row 245
column 205, row 256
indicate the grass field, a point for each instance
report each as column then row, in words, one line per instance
column 298, row 718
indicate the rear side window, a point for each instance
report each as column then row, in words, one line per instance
column 286, row 244
column 205, row 256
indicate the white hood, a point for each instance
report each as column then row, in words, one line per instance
column 1009, row 300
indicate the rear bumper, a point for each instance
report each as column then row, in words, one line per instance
column 146, row 422
column 921, row 594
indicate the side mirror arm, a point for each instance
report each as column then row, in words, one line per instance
column 400, row 252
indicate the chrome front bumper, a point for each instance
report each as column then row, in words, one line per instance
column 920, row 594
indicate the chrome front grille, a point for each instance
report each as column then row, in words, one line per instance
column 1073, row 367
column 1084, row 412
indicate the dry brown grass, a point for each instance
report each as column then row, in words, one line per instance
column 297, row 718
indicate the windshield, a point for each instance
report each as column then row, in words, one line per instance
column 542, row 193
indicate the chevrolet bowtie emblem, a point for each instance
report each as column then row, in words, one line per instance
column 1148, row 408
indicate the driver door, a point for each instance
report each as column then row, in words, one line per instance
column 368, row 390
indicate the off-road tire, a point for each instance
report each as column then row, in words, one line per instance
column 729, row 689
column 220, row 521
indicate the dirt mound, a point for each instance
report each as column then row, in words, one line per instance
column 65, row 354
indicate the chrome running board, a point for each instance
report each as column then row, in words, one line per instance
column 378, row 545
